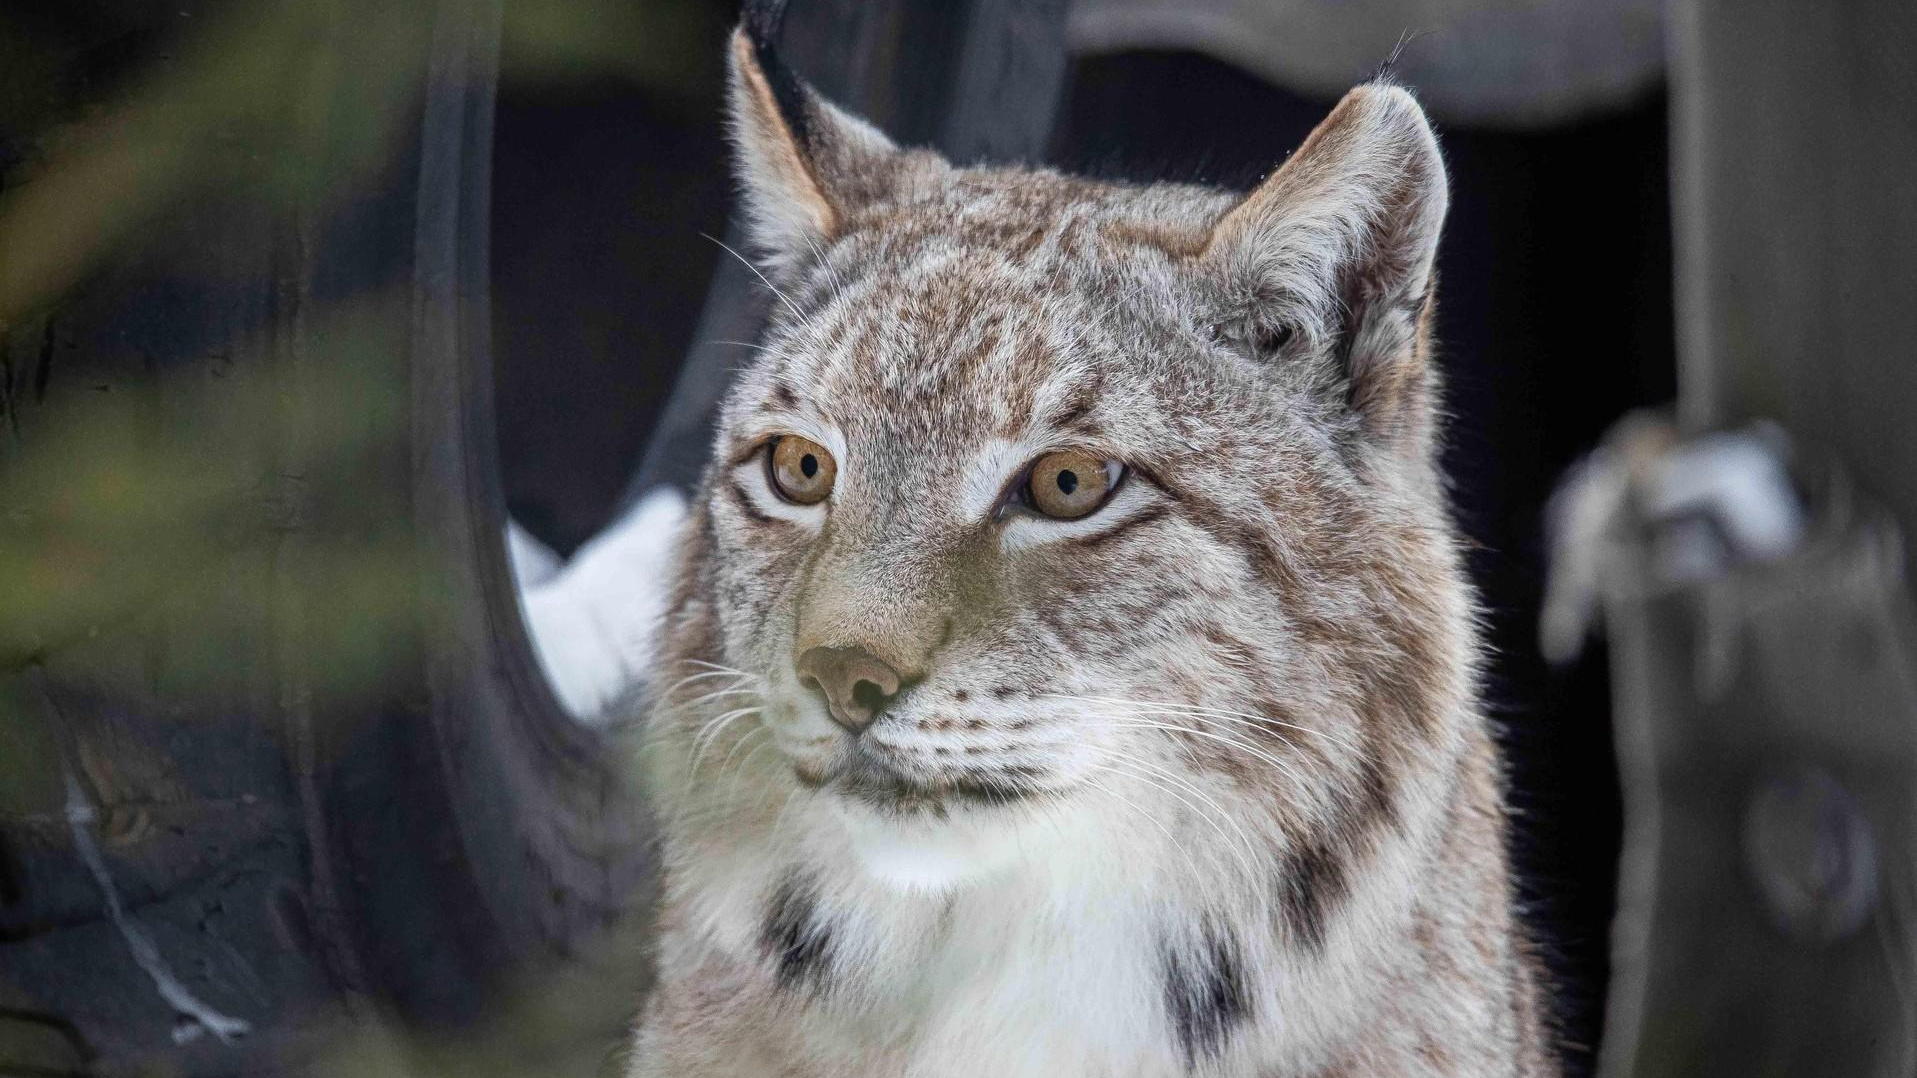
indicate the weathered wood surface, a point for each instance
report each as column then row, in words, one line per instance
column 1767, row 719
column 1794, row 166
column 1767, row 738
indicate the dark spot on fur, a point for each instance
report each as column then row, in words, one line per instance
column 1433, row 1055
column 1072, row 412
column 1005, row 692
column 1311, row 882
column 1370, row 800
column 794, row 937
column 1205, row 993
column 1000, row 786
column 961, row 695
column 744, row 503
column 1060, row 626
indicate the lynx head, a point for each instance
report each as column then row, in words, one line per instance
column 1046, row 496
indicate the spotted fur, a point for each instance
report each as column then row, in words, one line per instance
column 1195, row 785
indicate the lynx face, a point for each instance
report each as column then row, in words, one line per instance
column 1047, row 498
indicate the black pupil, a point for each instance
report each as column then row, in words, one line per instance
column 809, row 464
column 1068, row 481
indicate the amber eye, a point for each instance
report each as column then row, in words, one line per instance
column 1069, row 484
column 802, row 471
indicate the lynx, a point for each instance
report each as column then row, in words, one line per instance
column 1069, row 669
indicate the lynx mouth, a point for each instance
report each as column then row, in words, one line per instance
column 867, row 777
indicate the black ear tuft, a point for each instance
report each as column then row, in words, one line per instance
column 1387, row 71
column 762, row 22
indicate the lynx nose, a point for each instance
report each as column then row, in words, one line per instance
column 857, row 684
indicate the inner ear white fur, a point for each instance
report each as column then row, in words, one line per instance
column 1346, row 233
column 1366, row 192
column 802, row 163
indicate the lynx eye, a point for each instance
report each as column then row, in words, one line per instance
column 801, row 470
column 1070, row 484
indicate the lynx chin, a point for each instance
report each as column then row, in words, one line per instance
column 1069, row 669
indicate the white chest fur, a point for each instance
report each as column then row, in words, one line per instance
column 1036, row 949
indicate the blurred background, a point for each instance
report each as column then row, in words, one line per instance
column 338, row 339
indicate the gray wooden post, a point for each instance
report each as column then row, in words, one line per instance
column 1794, row 163
column 1767, row 716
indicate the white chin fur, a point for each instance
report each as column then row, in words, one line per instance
column 923, row 854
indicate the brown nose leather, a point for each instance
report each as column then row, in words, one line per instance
column 857, row 684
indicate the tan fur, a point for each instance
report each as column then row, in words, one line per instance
column 1198, row 784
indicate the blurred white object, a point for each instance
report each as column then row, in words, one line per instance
column 1736, row 482
column 533, row 561
column 1710, row 503
column 594, row 619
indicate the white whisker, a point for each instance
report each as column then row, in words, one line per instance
column 763, row 279
column 750, row 735
column 1143, row 722
column 708, row 697
column 1243, row 718
column 1207, row 810
column 737, row 677
column 1100, row 787
column 710, row 732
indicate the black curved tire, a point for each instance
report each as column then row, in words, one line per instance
column 316, row 767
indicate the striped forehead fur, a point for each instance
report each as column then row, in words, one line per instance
column 1197, row 783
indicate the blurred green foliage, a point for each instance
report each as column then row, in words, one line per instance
column 134, row 495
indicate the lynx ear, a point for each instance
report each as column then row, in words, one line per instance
column 805, row 165
column 1336, row 251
